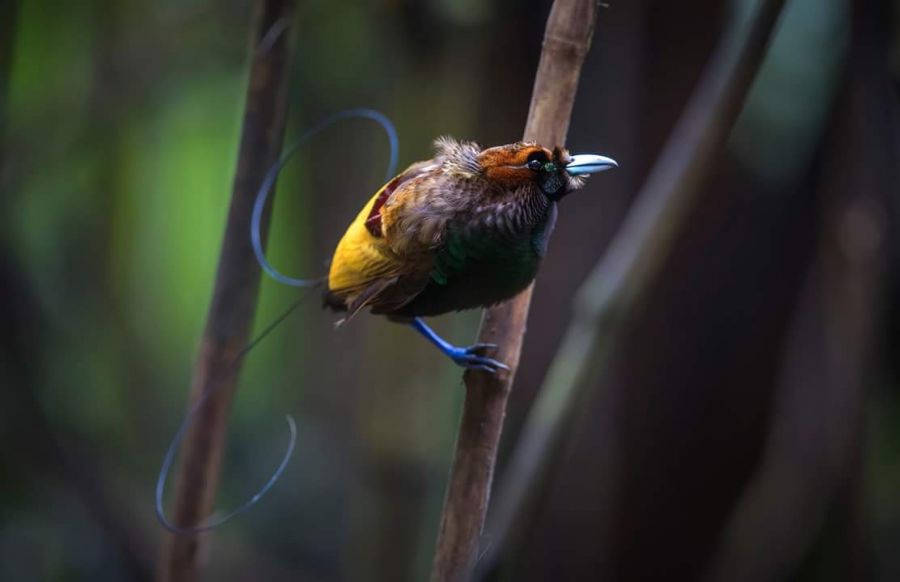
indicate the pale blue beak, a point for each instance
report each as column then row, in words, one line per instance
column 589, row 164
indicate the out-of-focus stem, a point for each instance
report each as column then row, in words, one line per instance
column 628, row 268
column 235, row 293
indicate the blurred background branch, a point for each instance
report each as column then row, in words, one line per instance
column 810, row 476
column 235, row 293
column 631, row 264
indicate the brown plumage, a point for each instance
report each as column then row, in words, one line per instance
column 465, row 229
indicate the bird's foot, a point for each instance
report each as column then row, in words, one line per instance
column 473, row 358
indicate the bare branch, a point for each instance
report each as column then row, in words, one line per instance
column 233, row 304
column 567, row 39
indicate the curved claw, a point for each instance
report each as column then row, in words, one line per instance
column 477, row 347
column 469, row 358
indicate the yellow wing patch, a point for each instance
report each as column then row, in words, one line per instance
column 380, row 246
column 360, row 257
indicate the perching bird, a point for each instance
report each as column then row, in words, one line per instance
column 465, row 229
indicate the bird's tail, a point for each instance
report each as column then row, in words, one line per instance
column 256, row 241
column 175, row 444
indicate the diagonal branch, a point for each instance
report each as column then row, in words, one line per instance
column 813, row 455
column 567, row 39
column 234, row 297
column 629, row 267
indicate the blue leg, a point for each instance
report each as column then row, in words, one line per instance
column 466, row 357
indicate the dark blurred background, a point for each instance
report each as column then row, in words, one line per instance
column 747, row 426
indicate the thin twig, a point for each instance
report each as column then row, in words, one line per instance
column 234, row 297
column 567, row 39
column 630, row 265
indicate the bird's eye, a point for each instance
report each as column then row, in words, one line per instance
column 536, row 161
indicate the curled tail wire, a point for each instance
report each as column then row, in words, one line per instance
column 256, row 241
column 169, row 458
column 269, row 182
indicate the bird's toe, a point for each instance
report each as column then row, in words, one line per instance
column 480, row 348
column 474, row 361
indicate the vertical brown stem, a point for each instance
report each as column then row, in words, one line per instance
column 234, row 297
column 567, row 39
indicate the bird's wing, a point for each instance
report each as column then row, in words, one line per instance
column 377, row 259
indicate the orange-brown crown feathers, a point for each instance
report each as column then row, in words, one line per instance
column 508, row 164
column 513, row 166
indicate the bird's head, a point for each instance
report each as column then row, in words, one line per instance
column 555, row 173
